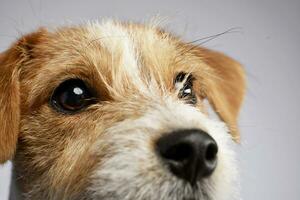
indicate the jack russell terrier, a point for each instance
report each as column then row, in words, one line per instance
column 115, row 111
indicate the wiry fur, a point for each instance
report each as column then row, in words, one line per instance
column 108, row 150
column 132, row 171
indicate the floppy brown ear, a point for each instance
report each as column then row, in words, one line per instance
column 225, row 89
column 9, row 105
column 10, row 66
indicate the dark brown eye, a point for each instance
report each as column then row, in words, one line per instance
column 184, row 84
column 71, row 96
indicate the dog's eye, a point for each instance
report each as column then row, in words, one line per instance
column 72, row 96
column 184, row 84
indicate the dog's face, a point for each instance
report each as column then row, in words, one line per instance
column 116, row 111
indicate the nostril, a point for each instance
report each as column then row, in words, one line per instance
column 179, row 152
column 211, row 152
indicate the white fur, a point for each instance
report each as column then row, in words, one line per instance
column 134, row 171
column 119, row 43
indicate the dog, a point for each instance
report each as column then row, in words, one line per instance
column 112, row 110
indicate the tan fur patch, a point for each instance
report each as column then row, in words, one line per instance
column 130, row 67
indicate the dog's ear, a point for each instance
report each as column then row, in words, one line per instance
column 225, row 88
column 11, row 62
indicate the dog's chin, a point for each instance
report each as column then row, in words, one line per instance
column 128, row 186
column 153, row 188
column 168, row 190
column 154, row 196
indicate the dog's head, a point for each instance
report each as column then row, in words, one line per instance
column 116, row 111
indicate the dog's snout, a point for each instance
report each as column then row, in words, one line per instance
column 190, row 154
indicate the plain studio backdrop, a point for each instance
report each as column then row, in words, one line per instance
column 266, row 41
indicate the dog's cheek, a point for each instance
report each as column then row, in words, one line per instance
column 73, row 167
column 59, row 148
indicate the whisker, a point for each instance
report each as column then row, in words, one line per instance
column 208, row 38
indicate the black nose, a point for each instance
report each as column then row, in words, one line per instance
column 190, row 154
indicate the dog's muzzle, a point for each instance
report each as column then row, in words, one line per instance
column 190, row 154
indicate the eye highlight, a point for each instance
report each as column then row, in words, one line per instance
column 71, row 96
column 184, row 85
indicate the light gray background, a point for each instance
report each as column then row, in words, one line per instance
column 268, row 45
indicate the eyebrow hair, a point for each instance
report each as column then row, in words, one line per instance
column 47, row 80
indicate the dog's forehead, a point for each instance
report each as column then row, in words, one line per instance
column 135, row 45
column 121, row 48
column 134, row 50
column 125, row 56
